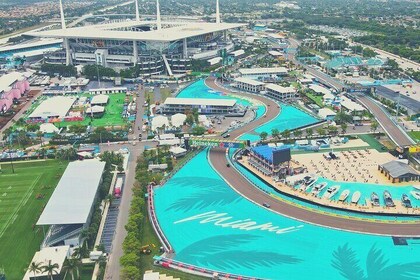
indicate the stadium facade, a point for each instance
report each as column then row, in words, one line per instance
column 158, row 47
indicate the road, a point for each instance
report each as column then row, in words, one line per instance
column 393, row 130
column 246, row 189
column 113, row 267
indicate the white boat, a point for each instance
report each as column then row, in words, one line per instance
column 356, row 197
column 344, row 195
column 415, row 194
column 318, row 188
column 417, row 187
column 331, row 191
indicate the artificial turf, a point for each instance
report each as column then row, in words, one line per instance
column 20, row 209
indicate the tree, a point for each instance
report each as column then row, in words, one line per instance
column 374, row 126
column 343, row 128
column 309, row 132
column 190, row 119
column 297, row 133
column 342, row 117
column 72, row 265
column 130, row 273
column 35, row 268
column 332, row 130
column 320, row 131
column 109, row 198
column 81, row 251
column 275, row 133
column 198, row 130
column 51, row 269
column 263, row 135
column 286, row 134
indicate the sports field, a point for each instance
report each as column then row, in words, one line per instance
column 23, row 195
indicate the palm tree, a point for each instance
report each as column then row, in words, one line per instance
column 109, row 198
column 374, row 126
column 71, row 265
column 263, row 135
column 81, row 251
column 50, row 268
column 297, row 133
column 343, row 128
column 35, row 268
column 286, row 133
column 321, row 131
column 309, row 132
column 275, row 133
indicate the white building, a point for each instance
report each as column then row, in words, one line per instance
column 55, row 255
column 108, row 90
column 319, row 90
column 326, row 114
column 280, row 93
column 203, row 106
column 159, row 122
column 178, row 120
column 54, row 107
column 263, row 72
column 250, row 85
column 352, row 106
column 100, row 99
column 70, row 208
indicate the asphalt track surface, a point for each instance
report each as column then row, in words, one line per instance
column 387, row 124
column 218, row 159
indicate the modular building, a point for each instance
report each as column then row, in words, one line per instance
column 250, row 85
column 280, row 93
column 228, row 107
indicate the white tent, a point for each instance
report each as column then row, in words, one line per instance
column 159, row 121
column 178, row 119
column 48, row 128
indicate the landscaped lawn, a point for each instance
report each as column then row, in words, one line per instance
column 316, row 98
column 20, row 210
column 112, row 116
column 415, row 135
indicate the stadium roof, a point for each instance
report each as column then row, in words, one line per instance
column 123, row 31
column 57, row 106
column 72, row 200
column 199, row 101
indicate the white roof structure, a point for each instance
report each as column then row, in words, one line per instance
column 177, row 150
column 57, row 106
column 200, row 102
column 159, row 121
column 151, row 276
column 280, row 89
column 126, row 30
column 111, row 89
column 263, row 71
column 351, row 105
column 237, row 52
column 249, row 81
column 326, row 112
column 178, row 119
column 95, row 109
column 214, row 60
column 7, row 80
column 54, row 254
column 72, row 200
column 39, row 43
column 48, row 128
column 319, row 89
column 275, row 53
column 99, row 99
column 328, row 96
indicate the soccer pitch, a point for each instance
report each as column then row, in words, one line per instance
column 23, row 195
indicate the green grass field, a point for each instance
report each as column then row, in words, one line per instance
column 20, row 210
column 415, row 135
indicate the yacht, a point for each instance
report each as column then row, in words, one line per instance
column 405, row 201
column 344, row 195
column 415, row 194
column 356, row 197
column 374, row 199
column 331, row 191
column 318, row 188
column 388, row 199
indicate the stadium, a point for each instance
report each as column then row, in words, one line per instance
column 157, row 47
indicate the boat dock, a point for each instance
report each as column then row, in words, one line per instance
column 298, row 193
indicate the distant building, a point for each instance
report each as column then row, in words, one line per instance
column 327, row 114
column 398, row 172
column 250, row 85
column 54, row 107
column 263, row 72
column 12, row 87
column 227, row 107
column 108, row 90
column 100, row 99
column 280, row 93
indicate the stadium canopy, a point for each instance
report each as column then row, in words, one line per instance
column 73, row 198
